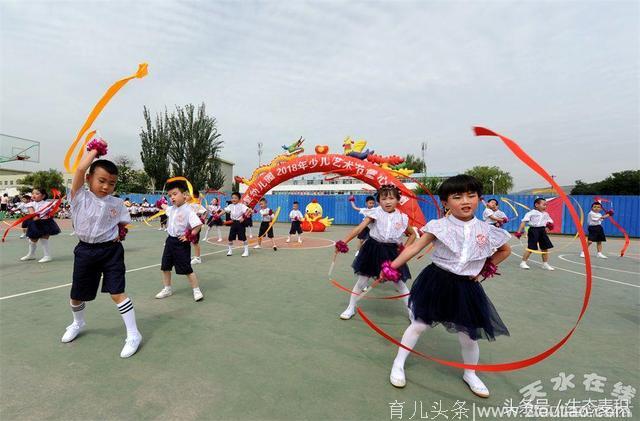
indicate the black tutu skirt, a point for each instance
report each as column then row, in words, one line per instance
column 455, row 301
column 42, row 227
column 372, row 255
column 596, row 234
column 214, row 222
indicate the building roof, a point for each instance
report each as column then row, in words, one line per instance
column 9, row 171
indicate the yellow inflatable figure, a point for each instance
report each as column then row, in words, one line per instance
column 313, row 220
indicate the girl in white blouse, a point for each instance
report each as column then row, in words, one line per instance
column 387, row 227
column 448, row 291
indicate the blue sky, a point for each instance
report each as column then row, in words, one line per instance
column 559, row 77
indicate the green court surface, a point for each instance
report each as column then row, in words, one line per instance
column 267, row 344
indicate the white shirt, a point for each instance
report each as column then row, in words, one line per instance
column 213, row 209
column 38, row 207
column 594, row 218
column 295, row 215
column 535, row 218
column 198, row 209
column 389, row 227
column 237, row 211
column 463, row 247
column 488, row 213
column 95, row 219
column 366, row 212
column 266, row 214
column 180, row 218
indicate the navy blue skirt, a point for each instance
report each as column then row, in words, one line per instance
column 455, row 301
column 373, row 254
column 42, row 227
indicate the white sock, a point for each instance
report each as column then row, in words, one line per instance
column 298, row 237
column 78, row 313
column 402, row 289
column 246, row 247
column 129, row 316
column 196, row 289
column 470, row 351
column 45, row 246
column 32, row 248
column 219, row 232
column 230, row 246
column 409, row 339
column 361, row 283
column 206, row 233
column 251, row 231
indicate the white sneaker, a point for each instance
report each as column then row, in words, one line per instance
column 196, row 260
column 250, row 235
column 348, row 313
column 258, row 246
column 357, row 252
column 475, row 384
column 547, row 266
column 288, row 240
column 245, row 253
column 45, row 259
column 197, row 294
column 28, row 257
column 300, row 241
column 23, row 235
column 582, row 254
column 165, row 292
column 397, row 377
column 602, row 256
column 524, row 265
column 73, row 233
column 131, row 345
column 230, row 253
column 160, row 229
column 219, row 240
column 72, row 332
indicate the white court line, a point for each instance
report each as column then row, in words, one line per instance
column 561, row 257
column 582, row 274
column 69, row 284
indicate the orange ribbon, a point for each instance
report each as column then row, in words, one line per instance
column 51, row 209
column 97, row 109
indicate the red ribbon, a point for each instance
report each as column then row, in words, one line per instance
column 627, row 241
column 51, row 208
column 366, row 297
column 515, row 365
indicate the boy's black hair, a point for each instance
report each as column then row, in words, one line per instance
column 596, row 203
column 263, row 200
column 105, row 164
column 386, row 190
column 296, row 203
column 538, row 200
column 368, row 198
column 493, row 200
column 196, row 194
column 43, row 191
column 228, row 202
column 236, row 194
column 461, row 183
column 178, row 184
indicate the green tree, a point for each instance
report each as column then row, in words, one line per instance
column 619, row 183
column 194, row 144
column 42, row 180
column 130, row 180
column 432, row 183
column 412, row 162
column 216, row 177
column 155, row 148
column 491, row 177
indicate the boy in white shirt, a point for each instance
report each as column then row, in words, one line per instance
column 540, row 223
column 296, row 223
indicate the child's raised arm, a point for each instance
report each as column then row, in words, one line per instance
column 83, row 166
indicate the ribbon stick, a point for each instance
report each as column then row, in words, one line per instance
column 97, row 109
column 505, row 200
column 515, row 365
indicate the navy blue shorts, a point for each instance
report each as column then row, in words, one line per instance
column 296, row 227
column 238, row 231
column 91, row 261
column 176, row 253
column 596, row 234
column 263, row 230
column 538, row 236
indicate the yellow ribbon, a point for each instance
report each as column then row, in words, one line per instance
column 97, row 109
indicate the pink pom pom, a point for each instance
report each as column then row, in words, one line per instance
column 489, row 270
column 270, row 211
column 341, row 247
column 122, row 231
column 609, row 212
column 389, row 273
column 550, row 226
column 517, row 234
column 352, row 198
column 190, row 237
column 98, row 145
column 505, row 220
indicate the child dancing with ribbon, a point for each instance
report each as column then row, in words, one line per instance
column 492, row 215
column 370, row 203
column 266, row 227
column 448, row 291
column 41, row 226
column 296, row 223
column 99, row 220
column 214, row 219
column 383, row 244
column 183, row 226
column 540, row 223
column 596, row 232
column 237, row 212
